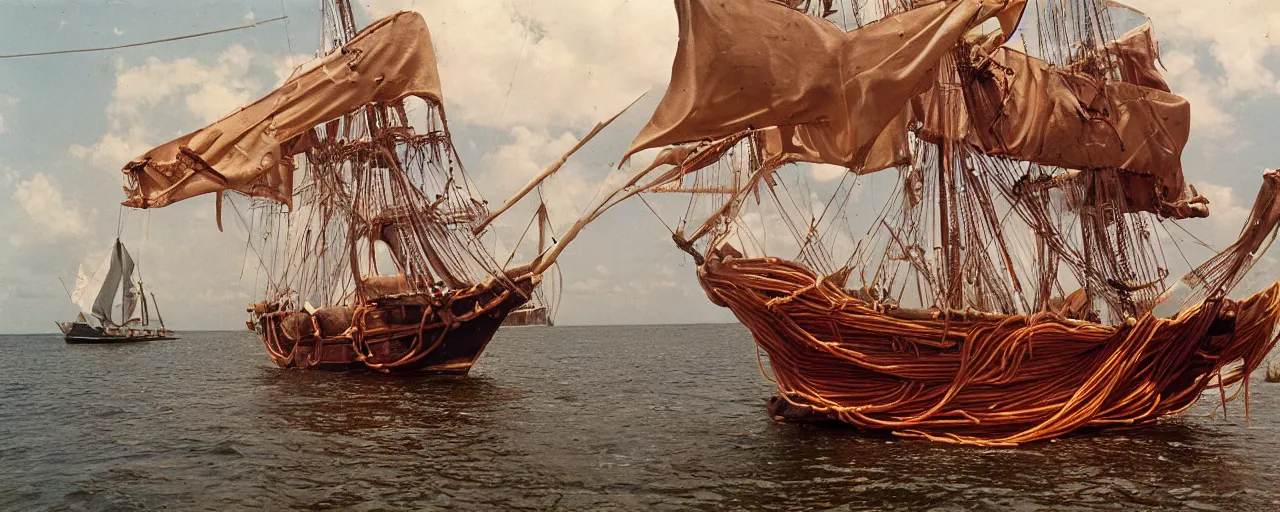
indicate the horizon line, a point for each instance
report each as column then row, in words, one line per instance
column 558, row 325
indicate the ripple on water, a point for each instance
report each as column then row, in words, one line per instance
column 580, row 418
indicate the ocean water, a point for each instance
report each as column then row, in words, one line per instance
column 571, row 418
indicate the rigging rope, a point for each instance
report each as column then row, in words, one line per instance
column 288, row 39
column 524, row 40
column 144, row 43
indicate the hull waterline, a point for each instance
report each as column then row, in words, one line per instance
column 403, row 334
column 981, row 379
column 84, row 334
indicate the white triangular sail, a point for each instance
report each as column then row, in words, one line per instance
column 88, row 288
column 82, row 282
column 96, row 293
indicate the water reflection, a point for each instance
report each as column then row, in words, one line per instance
column 646, row 418
column 350, row 403
column 1164, row 465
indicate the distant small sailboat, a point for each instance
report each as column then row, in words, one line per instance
column 96, row 295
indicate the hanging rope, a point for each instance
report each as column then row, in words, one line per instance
column 144, row 43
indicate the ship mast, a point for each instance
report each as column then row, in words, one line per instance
column 338, row 24
column 980, row 221
column 346, row 165
column 124, row 286
column 347, row 20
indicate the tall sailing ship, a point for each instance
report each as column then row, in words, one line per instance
column 96, row 295
column 381, row 257
column 1013, row 285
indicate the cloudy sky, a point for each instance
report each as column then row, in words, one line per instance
column 523, row 79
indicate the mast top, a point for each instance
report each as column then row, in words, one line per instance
column 338, row 17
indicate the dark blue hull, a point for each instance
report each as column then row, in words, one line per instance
column 80, row 333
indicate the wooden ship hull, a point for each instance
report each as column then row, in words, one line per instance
column 980, row 378
column 77, row 333
column 408, row 333
column 343, row 179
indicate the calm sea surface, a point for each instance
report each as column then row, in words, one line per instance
column 551, row 418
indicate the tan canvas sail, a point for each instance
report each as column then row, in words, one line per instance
column 806, row 143
column 757, row 64
column 1024, row 109
column 1136, row 54
column 249, row 150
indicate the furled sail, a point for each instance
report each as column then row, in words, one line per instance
column 758, row 64
column 1023, row 108
column 249, row 151
column 806, row 143
column 1135, row 55
column 790, row 144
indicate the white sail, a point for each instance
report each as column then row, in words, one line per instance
column 89, row 287
column 129, row 299
column 96, row 293
column 82, row 281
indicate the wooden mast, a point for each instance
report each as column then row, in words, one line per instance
column 346, row 20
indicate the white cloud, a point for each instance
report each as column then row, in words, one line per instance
column 593, row 286
column 249, row 16
column 204, row 88
column 551, row 62
column 5, row 102
column 826, row 172
column 602, row 270
column 48, row 214
column 292, row 64
column 115, row 149
column 117, row 31
column 219, row 295
column 526, row 154
column 1237, row 37
column 1227, row 216
column 660, row 280
column 157, row 90
column 1207, row 115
